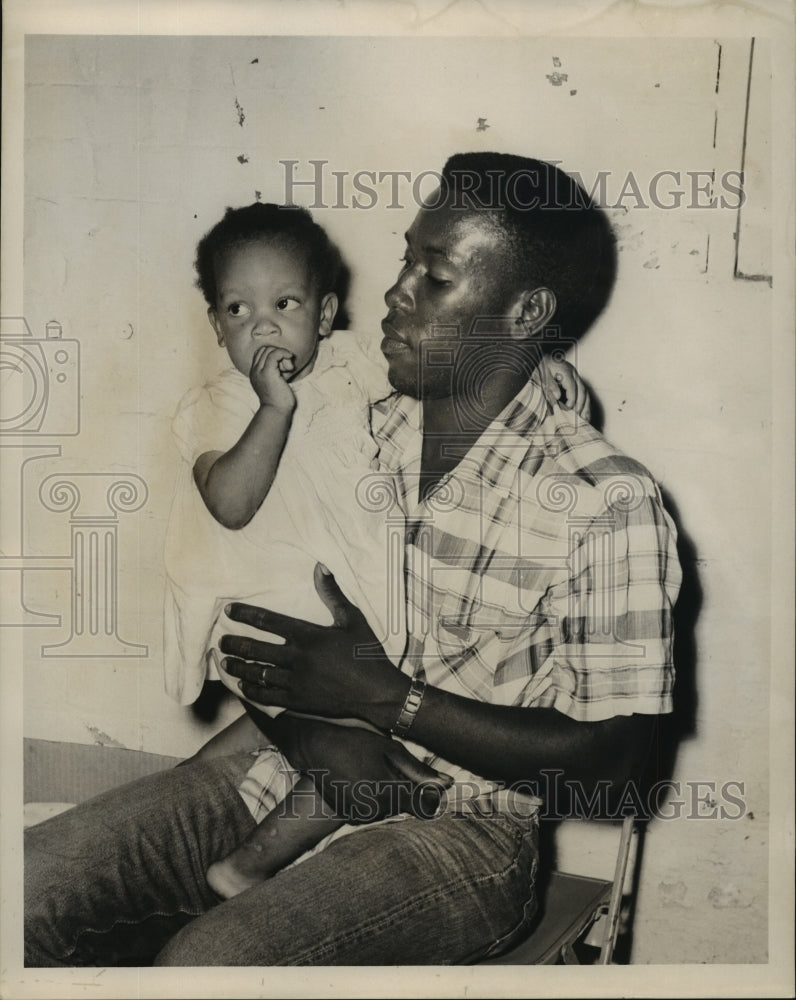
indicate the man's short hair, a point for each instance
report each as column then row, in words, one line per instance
column 561, row 239
column 288, row 225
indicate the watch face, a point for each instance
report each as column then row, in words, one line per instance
column 23, row 387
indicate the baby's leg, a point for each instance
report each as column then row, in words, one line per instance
column 242, row 734
column 298, row 823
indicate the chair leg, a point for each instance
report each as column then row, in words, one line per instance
column 568, row 956
column 614, row 908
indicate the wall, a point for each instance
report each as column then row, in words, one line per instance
column 134, row 146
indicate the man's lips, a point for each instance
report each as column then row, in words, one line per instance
column 388, row 329
column 392, row 343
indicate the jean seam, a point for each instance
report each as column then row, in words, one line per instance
column 507, row 940
column 385, row 919
column 129, row 922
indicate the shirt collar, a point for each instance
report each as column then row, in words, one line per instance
column 399, row 429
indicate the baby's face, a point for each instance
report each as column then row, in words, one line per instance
column 266, row 296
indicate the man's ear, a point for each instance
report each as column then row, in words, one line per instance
column 536, row 309
column 212, row 315
column 328, row 312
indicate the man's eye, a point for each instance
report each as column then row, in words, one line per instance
column 237, row 309
column 408, row 262
column 287, row 304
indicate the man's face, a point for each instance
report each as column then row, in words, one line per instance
column 456, row 271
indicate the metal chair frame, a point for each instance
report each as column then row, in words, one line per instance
column 575, row 905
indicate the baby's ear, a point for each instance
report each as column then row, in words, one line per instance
column 328, row 313
column 213, row 317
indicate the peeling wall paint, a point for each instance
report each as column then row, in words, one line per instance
column 102, row 739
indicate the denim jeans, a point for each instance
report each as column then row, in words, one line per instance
column 120, row 880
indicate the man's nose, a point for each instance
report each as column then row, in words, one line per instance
column 399, row 296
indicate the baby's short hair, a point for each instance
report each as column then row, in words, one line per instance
column 290, row 225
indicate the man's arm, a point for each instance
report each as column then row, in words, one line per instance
column 499, row 742
column 512, row 744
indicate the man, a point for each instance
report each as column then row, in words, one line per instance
column 541, row 575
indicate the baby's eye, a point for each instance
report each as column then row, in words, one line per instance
column 287, row 304
column 238, row 309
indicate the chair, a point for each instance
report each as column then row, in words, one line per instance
column 572, row 906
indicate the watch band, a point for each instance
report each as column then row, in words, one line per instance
column 410, row 708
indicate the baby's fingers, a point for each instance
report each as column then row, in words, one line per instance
column 270, row 357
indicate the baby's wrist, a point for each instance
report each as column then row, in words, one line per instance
column 283, row 408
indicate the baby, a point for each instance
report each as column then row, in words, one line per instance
column 276, row 449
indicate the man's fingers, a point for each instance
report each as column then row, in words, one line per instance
column 428, row 794
column 272, row 697
column 263, row 683
column 267, row 621
column 551, row 380
column 420, row 789
column 269, row 675
column 565, row 383
column 331, row 595
column 409, row 767
column 245, row 648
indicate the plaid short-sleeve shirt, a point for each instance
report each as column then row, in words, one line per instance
column 542, row 571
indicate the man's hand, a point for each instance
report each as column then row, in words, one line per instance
column 361, row 775
column 563, row 385
column 269, row 366
column 339, row 670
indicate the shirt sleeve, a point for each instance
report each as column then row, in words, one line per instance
column 212, row 417
column 609, row 624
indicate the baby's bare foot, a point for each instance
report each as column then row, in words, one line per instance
column 227, row 881
column 245, row 867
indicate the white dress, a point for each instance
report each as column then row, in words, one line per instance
column 327, row 504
